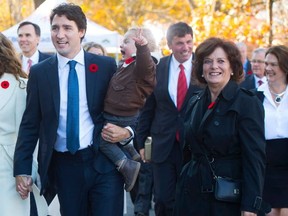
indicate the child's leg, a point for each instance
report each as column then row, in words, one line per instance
column 132, row 151
column 112, row 151
column 128, row 168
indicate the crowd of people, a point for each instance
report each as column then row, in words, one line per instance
column 74, row 124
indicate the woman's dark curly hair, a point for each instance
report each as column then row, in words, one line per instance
column 207, row 47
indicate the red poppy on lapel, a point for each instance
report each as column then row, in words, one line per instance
column 93, row 68
column 211, row 105
column 129, row 60
column 5, row 84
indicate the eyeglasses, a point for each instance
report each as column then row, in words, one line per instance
column 254, row 61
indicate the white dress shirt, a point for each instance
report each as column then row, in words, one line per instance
column 34, row 58
column 86, row 125
column 276, row 117
column 174, row 71
column 263, row 79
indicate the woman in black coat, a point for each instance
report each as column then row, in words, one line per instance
column 226, row 124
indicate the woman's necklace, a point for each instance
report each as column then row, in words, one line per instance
column 278, row 97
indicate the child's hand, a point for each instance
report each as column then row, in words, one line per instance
column 140, row 39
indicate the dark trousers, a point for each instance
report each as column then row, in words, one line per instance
column 143, row 198
column 82, row 191
column 166, row 175
column 33, row 207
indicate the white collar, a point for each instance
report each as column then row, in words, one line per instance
column 34, row 58
column 186, row 64
column 79, row 58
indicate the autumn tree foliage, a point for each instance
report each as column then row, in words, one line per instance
column 234, row 20
column 259, row 23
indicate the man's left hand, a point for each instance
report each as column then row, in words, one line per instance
column 113, row 133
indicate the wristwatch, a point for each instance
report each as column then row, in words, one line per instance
column 128, row 140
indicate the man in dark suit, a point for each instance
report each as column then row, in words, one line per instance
column 257, row 77
column 162, row 117
column 28, row 39
column 70, row 164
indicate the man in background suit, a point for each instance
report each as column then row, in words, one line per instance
column 257, row 77
column 245, row 61
column 85, row 181
column 28, row 39
column 164, row 120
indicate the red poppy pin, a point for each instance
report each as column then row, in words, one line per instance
column 93, row 68
column 5, row 84
column 129, row 60
column 211, row 105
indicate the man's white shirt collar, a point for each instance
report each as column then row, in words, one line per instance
column 34, row 58
column 187, row 64
column 62, row 61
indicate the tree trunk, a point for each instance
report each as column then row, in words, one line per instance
column 15, row 11
column 37, row 3
column 269, row 8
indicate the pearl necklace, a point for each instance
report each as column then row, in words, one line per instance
column 278, row 97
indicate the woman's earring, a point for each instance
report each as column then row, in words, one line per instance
column 202, row 75
column 232, row 74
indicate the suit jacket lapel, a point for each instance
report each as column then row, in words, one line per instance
column 53, row 78
column 165, row 77
column 228, row 94
column 91, row 83
column 207, row 113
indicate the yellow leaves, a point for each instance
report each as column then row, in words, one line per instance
column 165, row 52
column 231, row 19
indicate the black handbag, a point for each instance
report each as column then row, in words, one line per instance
column 227, row 189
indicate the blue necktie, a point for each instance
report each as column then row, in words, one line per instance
column 72, row 127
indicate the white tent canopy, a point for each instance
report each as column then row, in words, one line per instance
column 96, row 33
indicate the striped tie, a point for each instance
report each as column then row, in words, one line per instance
column 29, row 63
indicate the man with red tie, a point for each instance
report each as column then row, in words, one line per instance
column 163, row 115
column 257, row 77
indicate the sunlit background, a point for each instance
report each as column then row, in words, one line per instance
column 257, row 23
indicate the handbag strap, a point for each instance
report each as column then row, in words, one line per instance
column 210, row 166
